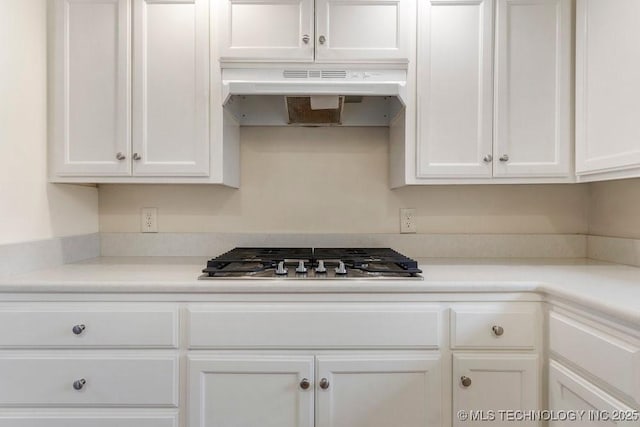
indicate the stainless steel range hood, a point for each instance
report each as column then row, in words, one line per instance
column 313, row 97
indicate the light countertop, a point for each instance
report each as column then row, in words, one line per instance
column 610, row 288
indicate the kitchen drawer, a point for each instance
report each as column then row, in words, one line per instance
column 105, row 325
column 114, row 380
column 314, row 325
column 494, row 325
column 611, row 358
column 87, row 420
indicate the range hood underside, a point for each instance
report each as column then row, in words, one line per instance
column 271, row 110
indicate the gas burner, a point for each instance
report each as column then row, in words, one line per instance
column 307, row 263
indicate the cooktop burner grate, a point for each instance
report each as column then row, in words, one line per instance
column 308, row 263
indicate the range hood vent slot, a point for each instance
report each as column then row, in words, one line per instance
column 294, row 74
column 336, row 74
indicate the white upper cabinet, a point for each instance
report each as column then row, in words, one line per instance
column 454, row 83
column 607, row 87
column 363, row 30
column 171, row 88
column 91, row 74
column 477, row 118
column 533, row 88
column 324, row 30
column 266, row 29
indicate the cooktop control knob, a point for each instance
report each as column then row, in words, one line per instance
column 341, row 269
column 321, row 269
column 281, row 270
column 301, row 269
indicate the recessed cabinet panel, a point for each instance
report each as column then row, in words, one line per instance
column 171, row 81
column 363, row 30
column 484, row 382
column 266, row 29
column 91, row 122
column 251, row 390
column 607, row 85
column 533, row 88
column 87, row 420
column 455, row 88
column 570, row 392
column 368, row 390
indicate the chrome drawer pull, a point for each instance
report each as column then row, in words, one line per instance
column 78, row 329
column 79, row 384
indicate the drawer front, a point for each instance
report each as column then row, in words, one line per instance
column 49, row 380
column 314, row 325
column 613, row 360
column 87, row 420
column 101, row 326
column 494, row 326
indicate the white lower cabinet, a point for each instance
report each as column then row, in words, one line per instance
column 251, row 390
column 571, row 393
column 378, row 390
column 87, row 420
column 494, row 382
column 342, row 390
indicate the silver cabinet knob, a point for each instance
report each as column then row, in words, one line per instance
column 488, row 158
column 324, row 383
column 305, row 384
column 497, row 330
column 504, row 158
column 306, row 38
column 79, row 384
column 322, row 39
column 465, row 381
column 120, row 156
column 78, row 329
column 137, row 156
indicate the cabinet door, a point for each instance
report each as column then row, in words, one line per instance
column 368, row 390
column 265, row 30
column 455, row 88
column 607, row 85
column 364, row 30
column 171, row 88
column 494, row 382
column 248, row 391
column 71, row 419
column 533, row 88
column 569, row 392
column 91, row 115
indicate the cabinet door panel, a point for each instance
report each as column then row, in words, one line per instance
column 533, row 88
column 498, row 382
column 91, row 112
column 607, row 85
column 246, row 390
column 67, row 419
column 378, row 391
column 454, row 88
column 265, row 29
column 570, row 392
column 171, row 82
column 364, row 30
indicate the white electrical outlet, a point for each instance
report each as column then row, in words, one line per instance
column 149, row 220
column 407, row 223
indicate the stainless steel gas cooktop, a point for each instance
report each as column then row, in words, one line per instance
column 308, row 263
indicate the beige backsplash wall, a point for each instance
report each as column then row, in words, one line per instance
column 614, row 208
column 335, row 180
